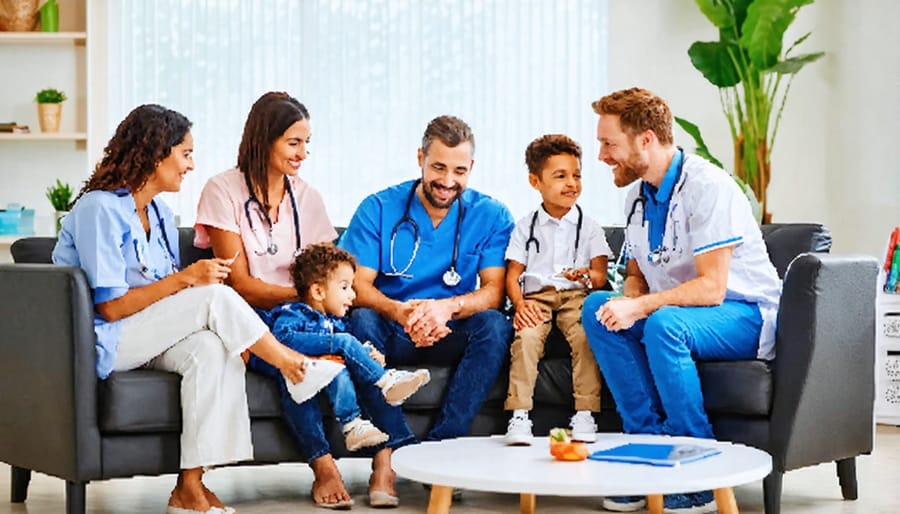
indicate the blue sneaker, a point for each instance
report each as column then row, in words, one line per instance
column 624, row 503
column 690, row 503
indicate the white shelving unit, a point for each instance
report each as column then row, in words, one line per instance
column 31, row 61
column 887, row 358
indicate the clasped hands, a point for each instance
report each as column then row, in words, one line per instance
column 425, row 321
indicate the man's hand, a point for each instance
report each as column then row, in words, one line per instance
column 428, row 322
column 528, row 315
column 621, row 313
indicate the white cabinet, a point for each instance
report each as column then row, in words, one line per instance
column 887, row 358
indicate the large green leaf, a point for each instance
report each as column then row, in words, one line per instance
column 712, row 60
column 795, row 64
column 694, row 131
column 763, row 30
column 739, row 12
column 716, row 13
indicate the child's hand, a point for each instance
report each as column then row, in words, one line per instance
column 580, row 275
column 528, row 314
column 374, row 353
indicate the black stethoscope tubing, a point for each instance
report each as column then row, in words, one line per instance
column 451, row 274
column 272, row 247
column 537, row 244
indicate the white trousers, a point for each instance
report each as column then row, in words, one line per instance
column 199, row 333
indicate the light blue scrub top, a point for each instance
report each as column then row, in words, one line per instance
column 104, row 237
column 484, row 235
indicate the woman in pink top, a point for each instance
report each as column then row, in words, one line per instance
column 265, row 210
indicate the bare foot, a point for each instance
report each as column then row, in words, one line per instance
column 191, row 498
column 328, row 486
column 212, row 498
column 383, row 477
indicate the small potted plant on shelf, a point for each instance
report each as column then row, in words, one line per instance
column 50, row 108
column 60, row 196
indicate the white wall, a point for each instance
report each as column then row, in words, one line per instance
column 831, row 162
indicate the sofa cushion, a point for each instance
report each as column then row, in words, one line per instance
column 144, row 400
column 737, row 387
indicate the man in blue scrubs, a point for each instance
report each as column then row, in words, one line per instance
column 431, row 274
column 699, row 283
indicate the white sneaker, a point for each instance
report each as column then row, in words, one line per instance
column 397, row 385
column 361, row 433
column 583, row 427
column 518, row 432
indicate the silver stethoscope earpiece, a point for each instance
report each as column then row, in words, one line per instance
column 271, row 247
column 450, row 277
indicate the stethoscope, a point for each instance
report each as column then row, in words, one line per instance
column 537, row 244
column 451, row 277
column 271, row 248
column 145, row 270
column 661, row 253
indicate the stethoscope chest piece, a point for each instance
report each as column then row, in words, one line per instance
column 451, row 277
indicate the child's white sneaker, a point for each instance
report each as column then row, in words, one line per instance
column 583, row 427
column 361, row 433
column 397, row 385
column 518, row 432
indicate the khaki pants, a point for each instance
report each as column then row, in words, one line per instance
column 528, row 348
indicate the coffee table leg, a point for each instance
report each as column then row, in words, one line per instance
column 527, row 503
column 654, row 504
column 441, row 497
column 725, row 502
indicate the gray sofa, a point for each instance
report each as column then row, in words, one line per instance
column 813, row 404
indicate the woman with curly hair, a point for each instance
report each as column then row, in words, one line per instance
column 150, row 313
column 263, row 210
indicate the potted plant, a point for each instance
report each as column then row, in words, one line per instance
column 49, row 102
column 753, row 77
column 60, row 196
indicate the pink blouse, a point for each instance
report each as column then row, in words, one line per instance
column 222, row 206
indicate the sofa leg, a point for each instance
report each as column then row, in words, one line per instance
column 75, row 497
column 19, row 479
column 846, row 472
column 772, row 492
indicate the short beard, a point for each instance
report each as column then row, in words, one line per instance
column 426, row 191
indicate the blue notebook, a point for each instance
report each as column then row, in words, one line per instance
column 655, row 454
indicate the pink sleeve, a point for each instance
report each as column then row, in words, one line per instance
column 217, row 208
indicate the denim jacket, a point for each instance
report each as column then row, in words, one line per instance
column 298, row 317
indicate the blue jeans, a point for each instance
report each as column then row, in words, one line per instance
column 305, row 419
column 650, row 368
column 477, row 347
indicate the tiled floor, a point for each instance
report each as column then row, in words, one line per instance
column 284, row 489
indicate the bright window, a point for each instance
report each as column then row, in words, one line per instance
column 372, row 74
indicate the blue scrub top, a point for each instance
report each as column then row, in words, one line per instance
column 484, row 235
column 657, row 206
column 104, row 237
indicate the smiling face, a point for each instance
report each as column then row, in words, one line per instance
column 289, row 150
column 559, row 182
column 620, row 151
column 338, row 290
column 445, row 172
column 170, row 172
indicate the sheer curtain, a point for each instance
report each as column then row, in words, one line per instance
column 372, row 73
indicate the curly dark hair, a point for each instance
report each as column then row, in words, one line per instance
column 638, row 110
column 271, row 115
column 315, row 263
column 545, row 147
column 449, row 130
column 144, row 138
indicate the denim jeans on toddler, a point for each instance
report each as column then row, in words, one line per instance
column 478, row 346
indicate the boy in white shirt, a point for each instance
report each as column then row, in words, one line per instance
column 555, row 257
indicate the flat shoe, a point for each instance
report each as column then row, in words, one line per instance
column 383, row 500
column 178, row 510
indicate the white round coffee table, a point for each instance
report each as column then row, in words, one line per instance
column 487, row 464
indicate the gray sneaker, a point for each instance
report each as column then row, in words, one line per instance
column 361, row 433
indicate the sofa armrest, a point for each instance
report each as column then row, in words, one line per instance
column 48, row 405
column 824, row 370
